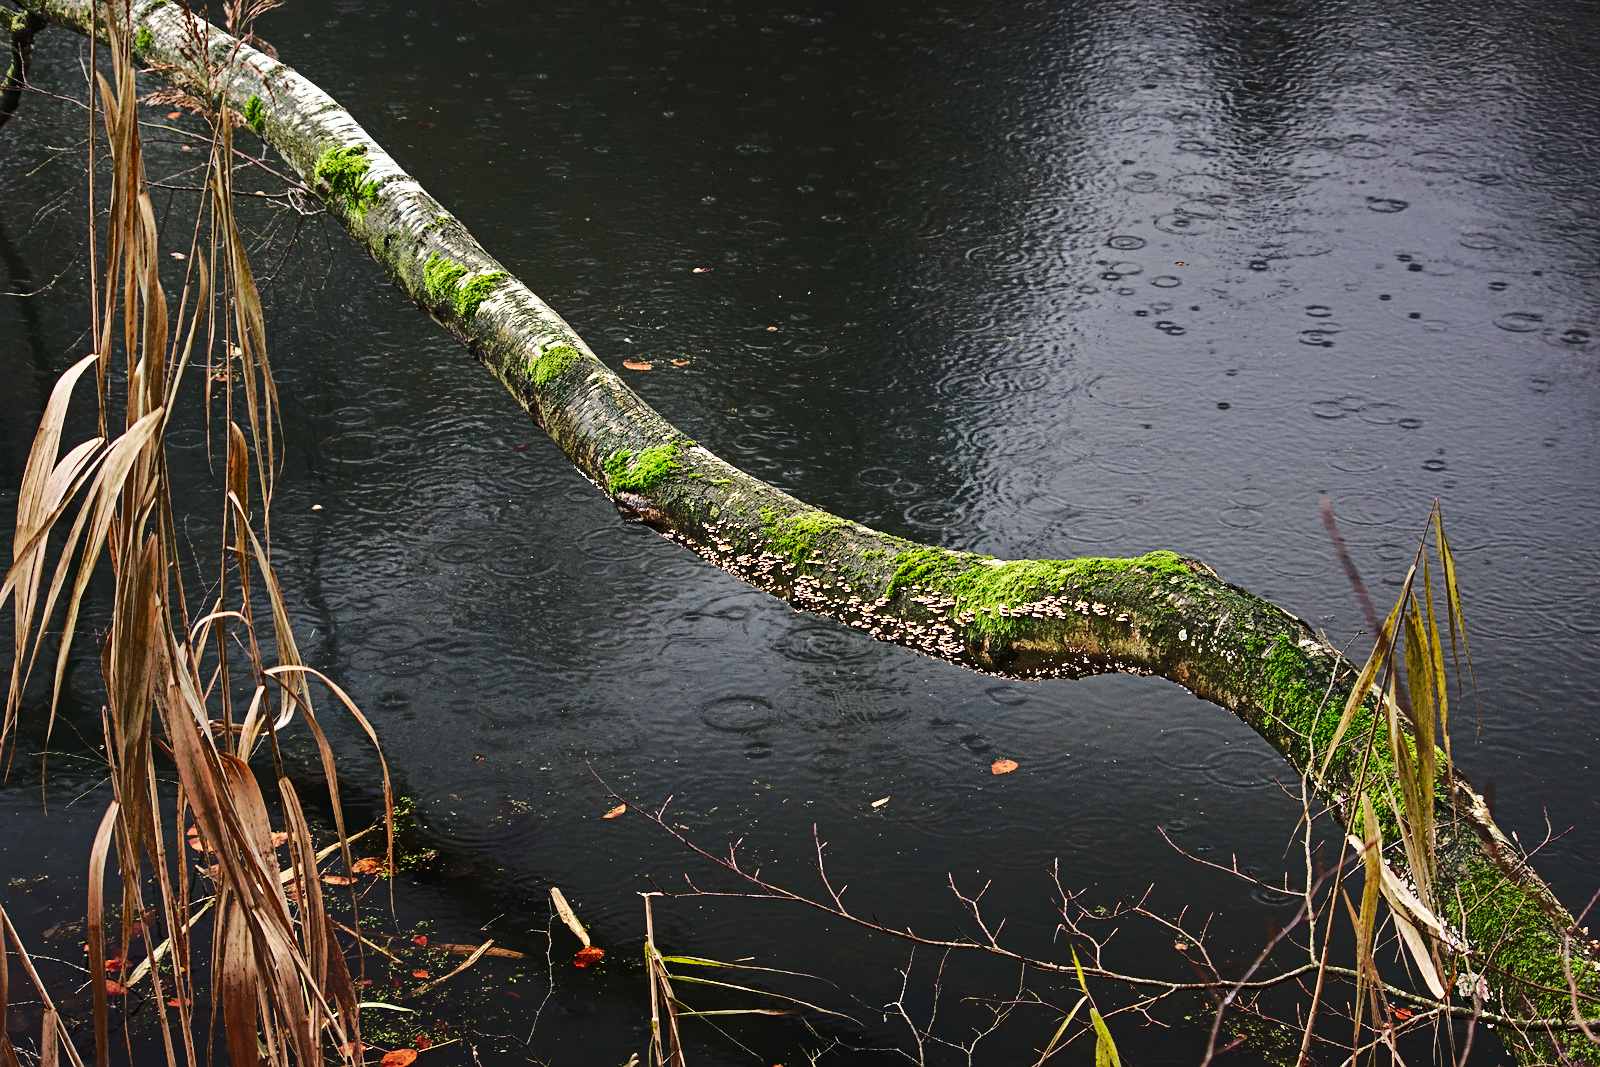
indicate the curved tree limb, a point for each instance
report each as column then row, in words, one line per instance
column 1160, row 614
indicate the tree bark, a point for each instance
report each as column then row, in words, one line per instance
column 1160, row 614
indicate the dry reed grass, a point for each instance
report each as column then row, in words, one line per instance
column 174, row 682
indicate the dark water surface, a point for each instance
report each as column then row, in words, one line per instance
column 1047, row 280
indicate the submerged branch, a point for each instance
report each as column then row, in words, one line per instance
column 1160, row 614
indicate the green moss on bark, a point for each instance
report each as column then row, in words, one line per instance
column 983, row 587
column 553, row 363
column 345, row 171
column 471, row 295
column 626, row 471
column 442, row 277
column 143, row 39
column 796, row 536
column 255, row 113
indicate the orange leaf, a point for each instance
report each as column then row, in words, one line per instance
column 588, row 955
column 614, row 812
column 280, row 838
column 113, row 963
column 114, row 988
column 420, row 940
column 680, row 363
column 367, row 865
column 638, row 364
column 174, row 114
column 173, row 1003
column 337, row 879
column 1402, row 1013
column 1003, row 766
column 701, row 270
column 400, row 1057
column 424, row 1042
column 419, row 974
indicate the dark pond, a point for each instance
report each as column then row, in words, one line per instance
column 1047, row 279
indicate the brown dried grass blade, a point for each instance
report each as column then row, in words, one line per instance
column 1441, row 693
column 1453, row 600
column 297, row 692
column 1363, row 686
column 95, row 930
column 564, row 910
column 52, row 1017
column 100, row 509
column 1418, row 827
column 8, row 1055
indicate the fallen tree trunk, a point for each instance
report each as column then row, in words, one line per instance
column 1160, row 614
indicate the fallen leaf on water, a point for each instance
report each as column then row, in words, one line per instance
column 614, row 812
column 316, row 507
column 280, row 838
column 351, row 1049
column 173, row 1003
column 637, row 364
column 114, row 988
column 880, row 803
column 419, row 974
column 509, row 993
column 425, row 125
column 587, row 956
column 772, row 329
column 174, row 114
column 364, row 981
column 1180, row 946
column 1402, row 1013
column 521, row 448
column 680, row 363
column 1003, row 766
column 400, row 1057
column 177, row 255
column 337, row 879
column 702, row 270
column 367, row 865
column 113, row 963
column 420, row 940
column 424, row 1042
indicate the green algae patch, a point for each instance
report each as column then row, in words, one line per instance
column 441, row 276
column 553, row 364
column 627, row 471
column 345, row 171
column 255, row 113
column 796, row 536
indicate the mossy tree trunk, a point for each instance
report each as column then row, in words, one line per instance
column 1160, row 614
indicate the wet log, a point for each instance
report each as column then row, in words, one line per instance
column 1160, row 614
